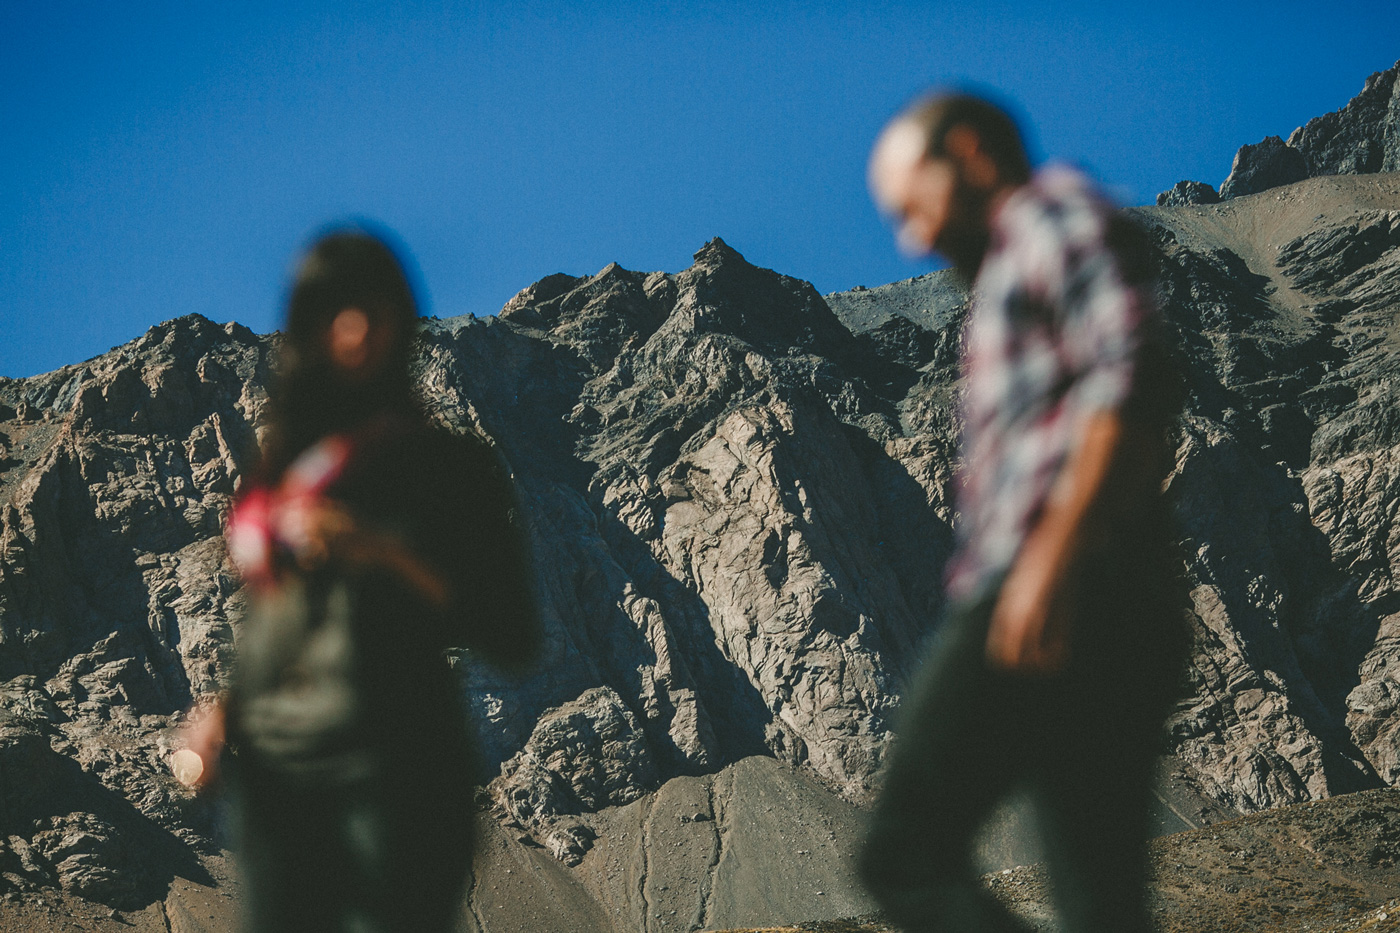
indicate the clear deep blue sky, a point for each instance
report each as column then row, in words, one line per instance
column 164, row 158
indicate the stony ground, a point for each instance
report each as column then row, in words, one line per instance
column 189, row 907
column 1327, row 867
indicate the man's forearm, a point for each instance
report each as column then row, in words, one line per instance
column 1030, row 624
column 1074, row 512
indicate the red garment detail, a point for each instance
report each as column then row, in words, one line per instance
column 268, row 525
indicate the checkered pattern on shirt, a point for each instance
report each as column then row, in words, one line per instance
column 1053, row 336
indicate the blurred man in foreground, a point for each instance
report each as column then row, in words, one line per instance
column 1059, row 645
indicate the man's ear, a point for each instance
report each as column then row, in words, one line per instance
column 964, row 145
column 962, row 142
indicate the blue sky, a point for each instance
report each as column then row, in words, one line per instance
column 165, row 158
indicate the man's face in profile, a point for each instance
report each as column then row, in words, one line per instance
column 916, row 191
column 935, row 208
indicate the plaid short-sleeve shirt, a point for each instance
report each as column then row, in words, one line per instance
column 1055, row 335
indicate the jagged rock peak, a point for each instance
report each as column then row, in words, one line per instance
column 717, row 252
column 1266, row 164
column 1362, row 137
column 546, row 289
column 1184, row 193
column 713, row 255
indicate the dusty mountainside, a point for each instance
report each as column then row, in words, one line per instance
column 739, row 494
column 1324, row 867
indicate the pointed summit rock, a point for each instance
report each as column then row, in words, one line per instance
column 546, row 289
column 773, row 312
column 717, row 252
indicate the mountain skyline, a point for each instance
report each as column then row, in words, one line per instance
column 172, row 160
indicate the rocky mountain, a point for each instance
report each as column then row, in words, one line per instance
column 1361, row 138
column 735, row 558
column 739, row 495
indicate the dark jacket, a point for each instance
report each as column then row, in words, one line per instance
column 340, row 669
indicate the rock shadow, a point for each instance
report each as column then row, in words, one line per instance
column 66, row 828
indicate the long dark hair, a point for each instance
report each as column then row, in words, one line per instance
column 310, row 398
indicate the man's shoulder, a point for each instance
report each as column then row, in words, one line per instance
column 1058, row 228
column 1064, row 196
column 1063, row 178
column 1057, row 215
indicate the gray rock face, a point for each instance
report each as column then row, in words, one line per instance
column 87, row 857
column 1188, row 192
column 80, row 815
column 741, row 544
column 1264, row 165
column 581, row 757
column 114, row 604
column 1281, row 485
column 1362, row 137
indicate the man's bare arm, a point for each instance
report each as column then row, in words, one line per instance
column 1030, row 624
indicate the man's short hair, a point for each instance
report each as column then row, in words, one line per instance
column 936, row 114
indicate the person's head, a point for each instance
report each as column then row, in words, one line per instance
column 351, row 312
column 349, row 337
column 940, row 167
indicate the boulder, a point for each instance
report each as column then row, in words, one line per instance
column 1264, row 165
column 1184, row 193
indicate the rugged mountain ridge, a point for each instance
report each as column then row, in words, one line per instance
column 1361, row 138
column 740, row 497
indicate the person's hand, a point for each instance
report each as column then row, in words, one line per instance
column 1030, row 626
column 329, row 531
column 324, row 530
column 197, row 764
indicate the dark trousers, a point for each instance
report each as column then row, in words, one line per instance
column 386, row 854
column 1081, row 744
